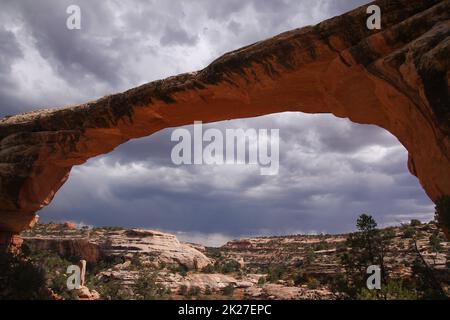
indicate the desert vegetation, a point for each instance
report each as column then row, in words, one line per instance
column 149, row 265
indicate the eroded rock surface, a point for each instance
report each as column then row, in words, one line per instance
column 396, row 78
column 149, row 247
column 285, row 267
column 158, row 247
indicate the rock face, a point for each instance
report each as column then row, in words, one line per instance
column 396, row 78
column 319, row 256
column 150, row 247
column 66, row 247
column 65, row 240
column 292, row 267
column 158, row 247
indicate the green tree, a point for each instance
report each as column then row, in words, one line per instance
column 194, row 291
column 230, row 266
column 415, row 223
column 426, row 281
column 435, row 242
column 183, row 290
column 409, row 232
column 310, row 256
column 147, row 287
column 393, row 290
column 21, row 279
column 275, row 273
column 228, row 290
column 365, row 248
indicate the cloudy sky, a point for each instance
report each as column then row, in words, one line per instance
column 330, row 169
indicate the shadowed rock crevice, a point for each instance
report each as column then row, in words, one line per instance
column 396, row 78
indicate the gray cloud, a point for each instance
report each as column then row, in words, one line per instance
column 74, row 55
column 10, row 49
column 316, row 190
column 177, row 36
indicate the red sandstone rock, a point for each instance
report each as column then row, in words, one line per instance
column 396, row 78
column 69, row 226
column 85, row 293
column 67, row 247
column 10, row 242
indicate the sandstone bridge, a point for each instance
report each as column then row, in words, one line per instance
column 396, row 78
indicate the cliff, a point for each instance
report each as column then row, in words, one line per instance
column 149, row 247
column 396, row 78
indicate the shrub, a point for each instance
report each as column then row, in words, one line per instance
column 276, row 273
column 111, row 290
column 230, row 266
column 214, row 253
column 136, row 262
column 322, row 245
column 415, row 223
column 194, row 291
column 183, row 290
column 389, row 233
column 300, row 278
column 209, row 269
column 228, row 290
column 435, row 242
column 20, row 279
column 310, row 256
column 208, row 291
column 55, row 271
column 181, row 269
column 147, row 288
column 409, row 232
column 313, row 284
column 393, row 290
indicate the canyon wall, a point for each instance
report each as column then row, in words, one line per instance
column 396, row 78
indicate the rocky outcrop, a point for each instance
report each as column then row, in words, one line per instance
column 10, row 242
column 283, row 267
column 85, row 294
column 149, row 247
column 318, row 257
column 68, row 248
column 396, row 78
column 280, row 292
column 155, row 247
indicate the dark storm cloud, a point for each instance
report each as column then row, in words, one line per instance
column 10, row 104
column 10, row 51
column 177, row 36
column 223, row 10
column 120, row 41
column 317, row 191
column 339, row 7
column 74, row 54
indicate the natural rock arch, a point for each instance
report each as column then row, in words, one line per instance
column 396, row 78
